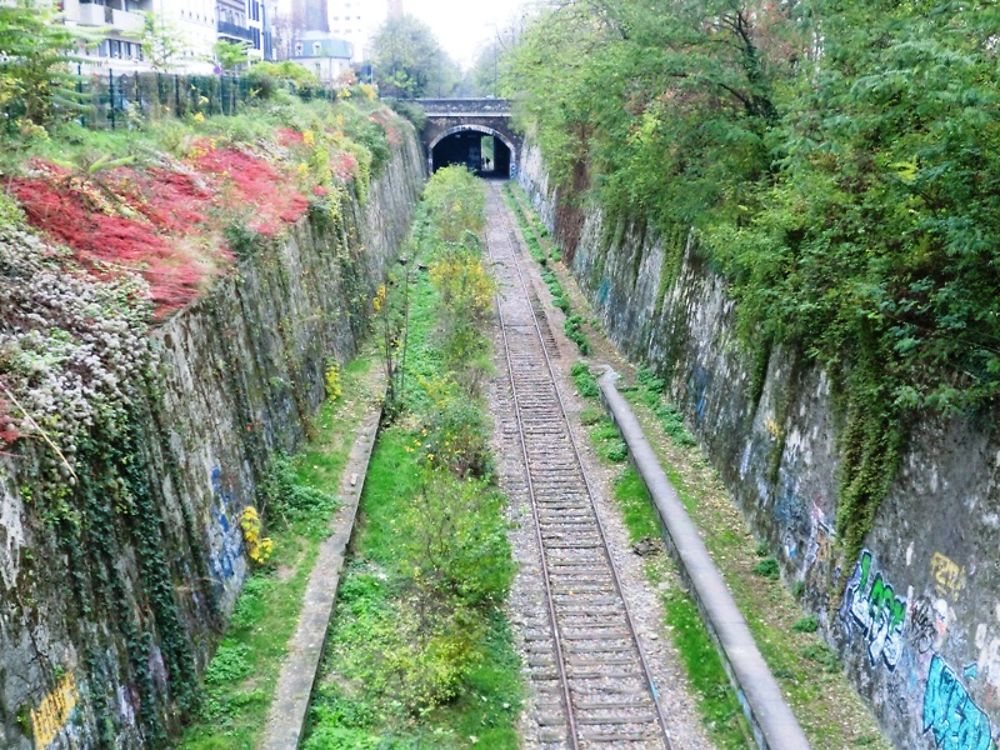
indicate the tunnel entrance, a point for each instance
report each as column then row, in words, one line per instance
column 484, row 153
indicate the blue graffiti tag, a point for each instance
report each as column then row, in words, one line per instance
column 956, row 721
column 225, row 542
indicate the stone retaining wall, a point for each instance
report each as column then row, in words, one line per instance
column 241, row 372
column 918, row 624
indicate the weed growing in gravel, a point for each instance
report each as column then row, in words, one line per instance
column 807, row 624
column 768, row 568
column 586, row 383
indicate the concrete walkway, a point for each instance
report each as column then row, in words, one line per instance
column 286, row 720
column 774, row 725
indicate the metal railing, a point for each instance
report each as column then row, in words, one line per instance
column 110, row 100
column 234, row 30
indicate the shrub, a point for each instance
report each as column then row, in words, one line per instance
column 457, row 436
column 466, row 307
column 411, row 111
column 456, row 204
column 266, row 78
column 807, row 624
column 586, row 383
column 673, row 424
column 822, row 655
column 767, row 568
column 455, row 543
column 284, row 497
column 574, row 331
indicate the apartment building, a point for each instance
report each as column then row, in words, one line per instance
column 242, row 21
column 358, row 20
column 195, row 24
column 120, row 23
column 326, row 56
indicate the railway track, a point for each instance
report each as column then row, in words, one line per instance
column 593, row 685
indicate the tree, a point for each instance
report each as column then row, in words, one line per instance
column 838, row 162
column 409, row 62
column 231, row 55
column 489, row 74
column 35, row 82
column 161, row 42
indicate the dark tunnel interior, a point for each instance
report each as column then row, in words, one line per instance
column 484, row 154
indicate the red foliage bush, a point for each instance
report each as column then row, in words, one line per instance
column 172, row 201
column 288, row 137
column 257, row 183
column 131, row 220
column 345, row 166
column 8, row 432
column 107, row 243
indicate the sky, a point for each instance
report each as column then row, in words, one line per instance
column 464, row 26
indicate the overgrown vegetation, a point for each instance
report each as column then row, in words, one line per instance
column 298, row 498
column 419, row 652
column 839, row 163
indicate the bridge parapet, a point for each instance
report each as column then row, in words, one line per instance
column 459, row 117
column 465, row 107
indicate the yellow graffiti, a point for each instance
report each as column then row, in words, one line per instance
column 949, row 576
column 53, row 712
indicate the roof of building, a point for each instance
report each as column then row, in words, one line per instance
column 328, row 47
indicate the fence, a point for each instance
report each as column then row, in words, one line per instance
column 116, row 100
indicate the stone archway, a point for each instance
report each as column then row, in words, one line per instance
column 509, row 159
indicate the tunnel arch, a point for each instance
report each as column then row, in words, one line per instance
column 472, row 128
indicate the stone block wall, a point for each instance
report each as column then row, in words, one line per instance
column 240, row 372
column 918, row 623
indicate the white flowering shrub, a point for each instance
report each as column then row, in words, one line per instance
column 71, row 344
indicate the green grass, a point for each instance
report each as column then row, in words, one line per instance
column 410, row 663
column 830, row 711
column 240, row 680
column 354, row 700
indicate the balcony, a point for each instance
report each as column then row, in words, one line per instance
column 123, row 20
column 235, row 32
column 92, row 14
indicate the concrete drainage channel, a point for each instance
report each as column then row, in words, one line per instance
column 771, row 719
column 286, row 721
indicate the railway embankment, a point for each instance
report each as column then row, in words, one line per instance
column 911, row 618
column 174, row 310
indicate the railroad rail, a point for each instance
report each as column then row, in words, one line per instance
column 594, row 685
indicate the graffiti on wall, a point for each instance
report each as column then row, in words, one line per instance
column 872, row 608
column 819, row 547
column 989, row 660
column 54, row 712
column 226, row 544
column 949, row 576
column 951, row 715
